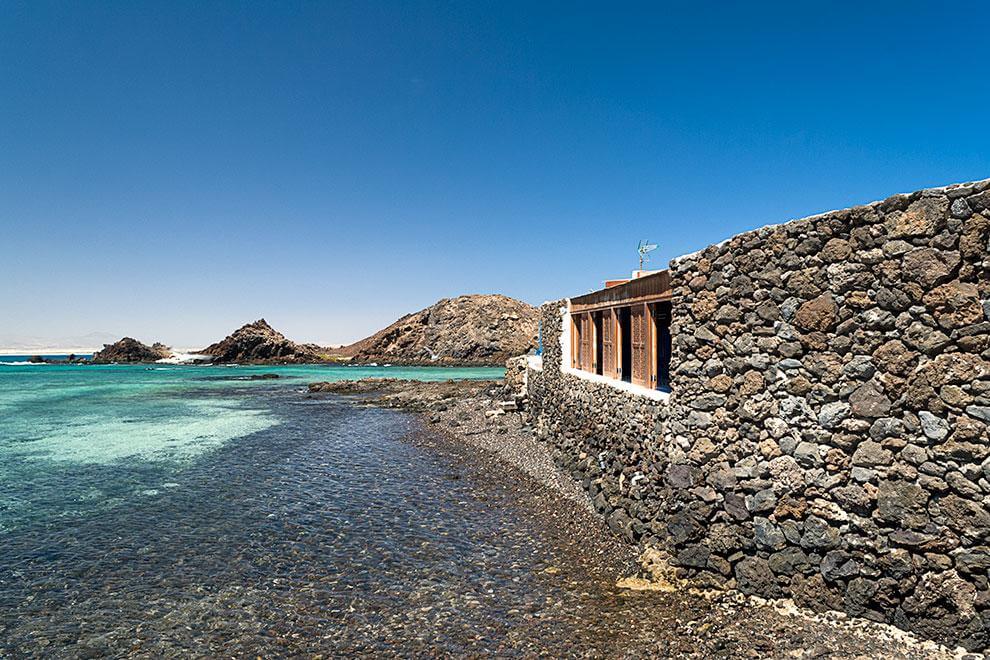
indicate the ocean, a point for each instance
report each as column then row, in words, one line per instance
column 187, row 511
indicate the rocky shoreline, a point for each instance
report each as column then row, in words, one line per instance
column 642, row 609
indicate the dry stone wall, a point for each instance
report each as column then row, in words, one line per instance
column 827, row 437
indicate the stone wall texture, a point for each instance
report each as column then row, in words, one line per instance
column 827, row 437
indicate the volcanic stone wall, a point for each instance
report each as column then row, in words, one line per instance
column 827, row 437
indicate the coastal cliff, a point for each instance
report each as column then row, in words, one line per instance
column 258, row 343
column 471, row 329
column 129, row 349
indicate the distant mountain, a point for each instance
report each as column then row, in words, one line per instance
column 470, row 330
column 259, row 343
column 32, row 344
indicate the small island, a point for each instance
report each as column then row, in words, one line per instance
column 130, row 350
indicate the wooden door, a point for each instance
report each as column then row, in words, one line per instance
column 640, row 345
column 609, row 368
column 661, row 346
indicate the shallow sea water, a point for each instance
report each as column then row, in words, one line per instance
column 190, row 513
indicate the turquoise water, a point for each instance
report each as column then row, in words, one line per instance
column 188, row 512
column 61, row 417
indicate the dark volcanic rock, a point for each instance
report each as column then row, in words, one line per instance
column 258, row 342
column 131, row 350
column 475, row 329
column 753, row 576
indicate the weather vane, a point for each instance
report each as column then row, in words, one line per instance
column 645, row 247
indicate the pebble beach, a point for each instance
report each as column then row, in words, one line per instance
column 609, row 601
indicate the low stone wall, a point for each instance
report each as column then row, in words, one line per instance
column 827, row 438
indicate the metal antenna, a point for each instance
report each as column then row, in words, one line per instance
column 645, row 247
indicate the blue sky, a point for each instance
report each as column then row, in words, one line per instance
column 172, row 170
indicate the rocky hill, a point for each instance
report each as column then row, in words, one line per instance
column 469, row 330
column 129, row 349
column 259, row 343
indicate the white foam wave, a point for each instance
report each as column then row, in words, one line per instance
column 183, row 358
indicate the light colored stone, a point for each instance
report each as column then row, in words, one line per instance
column 961, row 368
column 896, row 248
column 960, row 208
column 832, row 414
column 777, row 427
column 934, row 427
column 720, row 383
column 871, row 454
column 786, row 474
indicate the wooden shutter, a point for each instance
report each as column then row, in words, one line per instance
column 587, row 342
column 608, row 344
column 640, row 339
column 576, row 341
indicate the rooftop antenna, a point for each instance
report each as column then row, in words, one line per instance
column 645, row 247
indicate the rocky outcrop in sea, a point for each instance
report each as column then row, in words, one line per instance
column 259, row 343
column 467, row 330
column 131, row 350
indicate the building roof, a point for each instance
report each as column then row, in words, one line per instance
column 649, row 288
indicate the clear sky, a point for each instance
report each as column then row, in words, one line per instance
column 172, row 170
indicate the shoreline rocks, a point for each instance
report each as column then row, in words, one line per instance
column 412, row 395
